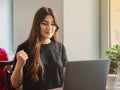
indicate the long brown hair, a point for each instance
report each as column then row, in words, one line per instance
column 35, row 63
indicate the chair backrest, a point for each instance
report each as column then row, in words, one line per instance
column 8, row 73
column 2, row 79
column 7, row 70
column 3, row 57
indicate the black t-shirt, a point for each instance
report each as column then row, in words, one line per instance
column 54, row 58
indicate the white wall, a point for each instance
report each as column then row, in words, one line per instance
column 81, row 29
column 23, row 12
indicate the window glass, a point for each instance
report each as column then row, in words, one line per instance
column 6, row 24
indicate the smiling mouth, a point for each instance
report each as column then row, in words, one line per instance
column 47, row 33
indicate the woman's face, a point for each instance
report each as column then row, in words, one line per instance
column 48, row 27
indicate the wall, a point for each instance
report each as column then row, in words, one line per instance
column 81, row 29
column 79, row 21
column 23, row 12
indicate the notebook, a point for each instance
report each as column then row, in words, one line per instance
column 86, row 75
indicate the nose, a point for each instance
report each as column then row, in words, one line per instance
column 49, row 27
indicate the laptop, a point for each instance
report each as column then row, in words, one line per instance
column 86, row 75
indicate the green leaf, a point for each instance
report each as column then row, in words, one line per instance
column 113, row 53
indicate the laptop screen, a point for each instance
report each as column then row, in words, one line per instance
column 86, row 75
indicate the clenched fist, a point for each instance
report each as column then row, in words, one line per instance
column 21, row 58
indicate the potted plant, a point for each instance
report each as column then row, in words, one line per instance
column 113, row 53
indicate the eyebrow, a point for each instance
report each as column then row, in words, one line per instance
column 47, row 21
column 44, row 21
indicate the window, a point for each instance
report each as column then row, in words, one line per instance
column 115, row 22
column 6, row 24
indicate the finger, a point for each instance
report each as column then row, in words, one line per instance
column 22, row 52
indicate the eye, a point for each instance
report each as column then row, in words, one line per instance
column 44, row 23
column 53, row 24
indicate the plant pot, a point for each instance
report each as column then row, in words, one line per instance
column 111, row 81
column 118, row 75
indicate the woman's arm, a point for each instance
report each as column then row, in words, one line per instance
column 64, row 73
column 64, row 69
column 17, row 75
column 16, row 78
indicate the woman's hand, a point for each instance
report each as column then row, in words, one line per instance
column 21, row 58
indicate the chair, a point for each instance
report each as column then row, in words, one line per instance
column 7, row 72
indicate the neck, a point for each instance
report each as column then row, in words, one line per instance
column 45, row 41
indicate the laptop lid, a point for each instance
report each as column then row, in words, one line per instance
column 86, row 75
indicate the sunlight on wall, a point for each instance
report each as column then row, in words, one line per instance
column 6, row 24
column 115, row 22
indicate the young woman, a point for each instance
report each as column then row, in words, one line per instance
column 40, row 60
